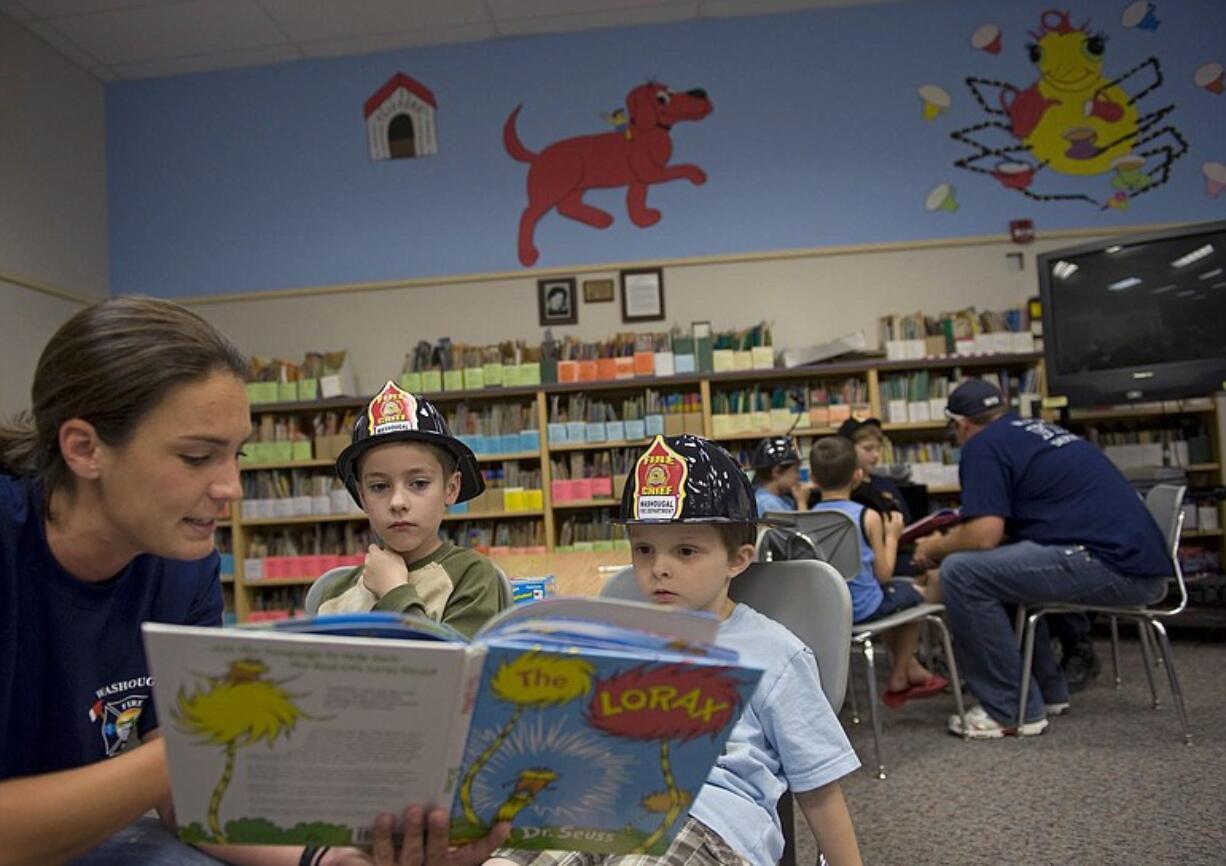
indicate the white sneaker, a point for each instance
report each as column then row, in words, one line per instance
column 1057, row 709
column 981, row 726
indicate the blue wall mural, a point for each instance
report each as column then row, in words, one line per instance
column 836, row 126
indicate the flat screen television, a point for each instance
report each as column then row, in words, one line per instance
column 1139, row 318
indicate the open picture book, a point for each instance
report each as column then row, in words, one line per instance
column 590, row 724
column 934, row 522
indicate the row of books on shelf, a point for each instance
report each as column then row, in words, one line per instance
column 910, row 336
column 701, row 358
column 585, row 489
column 1199, row 559
column 283, row 602
column 280, row 602
column 300, row 567
column 310, row 566
column 1136, row 455
column 337, row 502
column 497, row 539
column 901, row 411
column 502, row 499
column 934, row 474
column 576, row 432
column 942, row 346
column 1201, row 515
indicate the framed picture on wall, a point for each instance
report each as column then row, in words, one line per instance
column 557, row 302
column 598, row 291
column 642, row 295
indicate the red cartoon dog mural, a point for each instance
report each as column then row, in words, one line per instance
column 634, row 158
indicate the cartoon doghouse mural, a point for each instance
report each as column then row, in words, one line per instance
column 400, row 119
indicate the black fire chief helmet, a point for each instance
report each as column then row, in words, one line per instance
column 775, row 451
column 395, row 415
column 687, row 479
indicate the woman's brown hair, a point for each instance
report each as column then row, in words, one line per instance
column 110, row 365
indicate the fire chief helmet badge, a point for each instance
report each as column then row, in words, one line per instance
column 395, row 415
column 687, row 479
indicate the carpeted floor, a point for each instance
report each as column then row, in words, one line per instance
column 1110, row 782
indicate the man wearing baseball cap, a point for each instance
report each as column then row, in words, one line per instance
column 1045, row 518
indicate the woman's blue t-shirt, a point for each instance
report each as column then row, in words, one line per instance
column 74, row 685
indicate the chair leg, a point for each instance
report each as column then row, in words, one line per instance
column 1147, row 656
column 1023, row 695
column 1168, row 657
column 1019, row 624
column 873, row 714
column 924, row 650
column 1115, row 649
column 955, row 681
column 851, row 693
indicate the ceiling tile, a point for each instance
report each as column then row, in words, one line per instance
column 391, row 41
column 207, row 62
column 657, row 13
column 62, row 8
column 304, row 20
column 722, row 8
column 508, row 9
column 14, row 10
column 46, row 31
column 182, row 30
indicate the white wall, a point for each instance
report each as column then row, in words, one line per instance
column 810, row 299
column 52, row 166
column 27, row 321
column 52, row 201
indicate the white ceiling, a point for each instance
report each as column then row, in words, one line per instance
column 118, row 40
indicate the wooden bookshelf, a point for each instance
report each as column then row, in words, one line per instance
column 867, row 367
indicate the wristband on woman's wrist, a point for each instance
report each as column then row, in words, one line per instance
column 312, row 856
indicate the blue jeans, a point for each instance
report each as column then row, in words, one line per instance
column 147, row 842
column 980, row 590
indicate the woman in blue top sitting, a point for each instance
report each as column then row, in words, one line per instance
column 111, row 489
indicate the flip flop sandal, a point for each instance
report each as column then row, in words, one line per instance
column 932, row 686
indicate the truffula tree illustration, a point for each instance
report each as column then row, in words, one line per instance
column 666, row 703
column 533, row 680
column 233, row 711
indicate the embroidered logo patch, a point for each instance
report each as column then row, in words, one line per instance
column 659, row 483
column 116, row 711
column 393, row 410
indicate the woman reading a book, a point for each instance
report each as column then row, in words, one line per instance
column 111, row 488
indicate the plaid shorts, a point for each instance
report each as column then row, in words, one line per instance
column 696, row 845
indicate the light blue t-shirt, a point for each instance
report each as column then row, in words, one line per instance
column 787, row 737
column 865, row 589
column 768, row 501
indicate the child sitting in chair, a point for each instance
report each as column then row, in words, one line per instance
column 690, row 513
column 776, row 484
column 403, row 469
column 874, row 592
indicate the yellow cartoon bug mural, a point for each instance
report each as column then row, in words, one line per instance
column 1074, row 120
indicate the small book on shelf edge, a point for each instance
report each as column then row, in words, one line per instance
column 934, row 522
column 590, row 724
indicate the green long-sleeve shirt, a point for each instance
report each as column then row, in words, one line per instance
column 454, row 585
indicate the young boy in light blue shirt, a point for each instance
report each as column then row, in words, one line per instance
column 875, row 593
column 690, row 513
